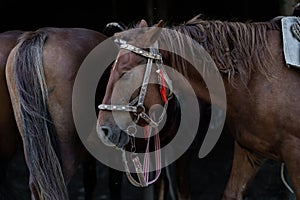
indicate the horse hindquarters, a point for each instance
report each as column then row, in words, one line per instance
column 27, row 88
column 8, row 128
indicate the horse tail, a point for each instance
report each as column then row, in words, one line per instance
column 40, row 140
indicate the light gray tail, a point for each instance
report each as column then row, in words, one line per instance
column 40, row 140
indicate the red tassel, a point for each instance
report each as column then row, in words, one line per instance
column 163, row 90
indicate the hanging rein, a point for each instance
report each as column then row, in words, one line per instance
column 136, row 106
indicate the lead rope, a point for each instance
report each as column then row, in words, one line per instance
column 148, row 134
column 142, row 171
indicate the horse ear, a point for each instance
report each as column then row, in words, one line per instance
column 153, row 33
column 160, row 24
column 143, row 24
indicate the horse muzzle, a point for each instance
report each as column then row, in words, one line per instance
column 113, row 137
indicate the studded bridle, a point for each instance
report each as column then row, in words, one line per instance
column 136, row 106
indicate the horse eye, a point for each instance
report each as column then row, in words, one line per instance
column 122, row 74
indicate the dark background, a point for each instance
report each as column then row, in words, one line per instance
column 30, row 15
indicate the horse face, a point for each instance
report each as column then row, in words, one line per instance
column 124, row 90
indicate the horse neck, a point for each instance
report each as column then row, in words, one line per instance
column 184, row 74
column 235, row 49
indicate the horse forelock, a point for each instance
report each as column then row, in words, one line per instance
column 237, row 48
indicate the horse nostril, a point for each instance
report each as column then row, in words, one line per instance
column 106, row 130
column 105, row 133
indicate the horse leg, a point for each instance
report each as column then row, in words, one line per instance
column 115, row 183
column 291, row 157
column 182, row 172
column 3, row 180
column 174, row 181
column 8, row 128
column 69, row 168
column 160, row 186
column 89, row 177
column 8, row 148
column 72, row 150
column 244, row 168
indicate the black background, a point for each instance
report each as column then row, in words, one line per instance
column 30, row 15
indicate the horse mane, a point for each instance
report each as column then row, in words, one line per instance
column 237, row 48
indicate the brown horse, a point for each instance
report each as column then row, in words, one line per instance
column 253, row 75
column 69, row 62
column 48, row 42
column 40, row 74
column 8, row 128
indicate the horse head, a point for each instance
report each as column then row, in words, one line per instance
column 137, row 90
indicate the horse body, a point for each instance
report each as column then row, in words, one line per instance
column 259, row 125
column 63, row 53
column 8, row 127
column 9, row 133
column 52, row 55
column 257, row 82
column 255, row 118
column 43, row 65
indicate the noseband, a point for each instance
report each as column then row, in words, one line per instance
column 137, row 107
